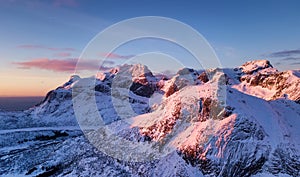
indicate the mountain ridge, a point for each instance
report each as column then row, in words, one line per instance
column 220, row 122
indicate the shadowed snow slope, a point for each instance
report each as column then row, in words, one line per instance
column 220, row 122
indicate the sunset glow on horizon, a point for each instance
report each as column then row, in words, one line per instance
column 26, row 86
column 41, row 41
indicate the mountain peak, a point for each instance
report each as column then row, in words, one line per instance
column 73, row 79
column 248, row 126
column 255, row 65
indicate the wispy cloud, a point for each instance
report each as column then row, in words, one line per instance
column 63, row 54
column 285, row 58
column 295, row 63
column 291, row 58
column 31, row 46
column 65, row 3
column 108, row 62
column 39, row 4
column 284, row 53
column 115, row 56
column 64, row 65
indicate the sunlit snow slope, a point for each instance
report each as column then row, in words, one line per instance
column 243, row 121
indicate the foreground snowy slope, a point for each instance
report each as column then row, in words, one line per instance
column 231, row 122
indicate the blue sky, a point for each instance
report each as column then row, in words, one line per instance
column 36, row 32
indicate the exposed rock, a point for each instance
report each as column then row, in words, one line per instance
column 214, row 131
column 254, row 66
column 278, row 82
column 203, row 77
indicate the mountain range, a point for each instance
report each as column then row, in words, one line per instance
column 242, row 121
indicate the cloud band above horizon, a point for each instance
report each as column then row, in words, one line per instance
column 65, row 65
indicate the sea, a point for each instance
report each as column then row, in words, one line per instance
column 18, row 103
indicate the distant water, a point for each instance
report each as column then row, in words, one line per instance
column 18, row 103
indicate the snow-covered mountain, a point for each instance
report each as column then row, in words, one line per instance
column 219, row 122
column 260, row 79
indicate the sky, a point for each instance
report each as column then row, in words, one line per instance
column 41, row 41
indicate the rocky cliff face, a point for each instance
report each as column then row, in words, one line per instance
column 219, row 122
column 260, row 79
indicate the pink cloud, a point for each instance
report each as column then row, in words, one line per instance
column 65, row 65
column 63, row 54
column 116, row 56
column 30, row 46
